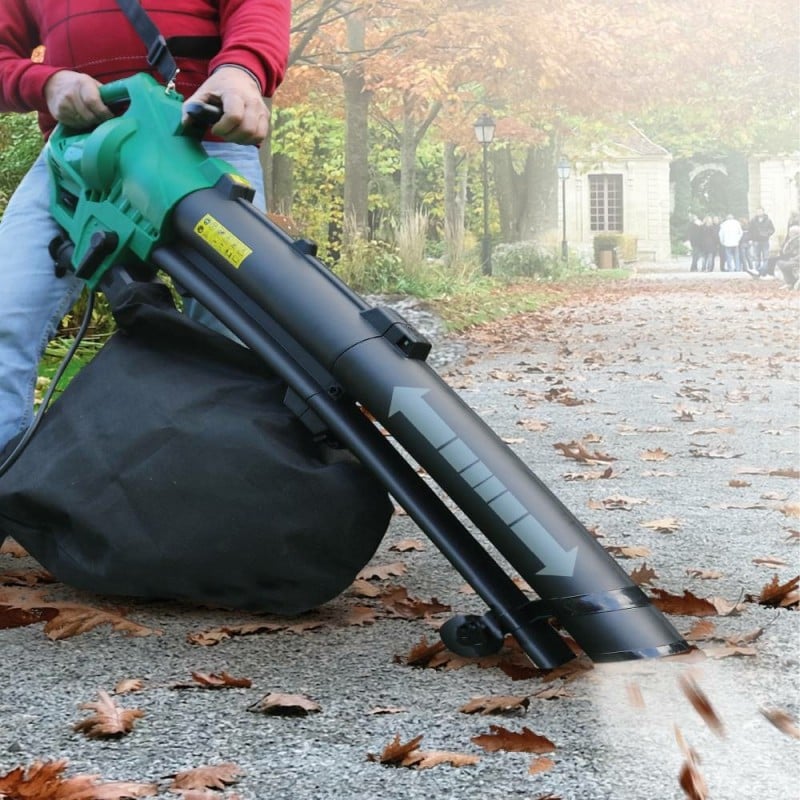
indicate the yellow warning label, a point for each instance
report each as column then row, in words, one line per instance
column 223, row 241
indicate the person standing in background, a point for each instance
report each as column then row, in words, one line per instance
column 761, row 229
column 730, row 234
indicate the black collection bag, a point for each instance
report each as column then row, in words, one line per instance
column 170, row 468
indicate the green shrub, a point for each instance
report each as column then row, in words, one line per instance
column 20, row 143
column 625, row 244
column 529, row 260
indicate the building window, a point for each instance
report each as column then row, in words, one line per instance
column 605, row 202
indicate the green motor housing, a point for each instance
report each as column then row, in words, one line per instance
column 114, row 188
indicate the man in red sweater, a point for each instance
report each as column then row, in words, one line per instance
column 231, row 52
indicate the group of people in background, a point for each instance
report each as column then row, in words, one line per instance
column 743, row 245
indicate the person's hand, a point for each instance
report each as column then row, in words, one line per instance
column 245, row 119
column 74, row 99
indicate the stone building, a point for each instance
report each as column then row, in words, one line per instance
column 627, row 187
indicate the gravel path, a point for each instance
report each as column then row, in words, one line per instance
column 691, row 386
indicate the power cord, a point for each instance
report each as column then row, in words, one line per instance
column 59, row 373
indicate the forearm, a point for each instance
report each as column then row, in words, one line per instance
column 255, row 36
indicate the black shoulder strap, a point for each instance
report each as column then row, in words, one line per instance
column 158, row 54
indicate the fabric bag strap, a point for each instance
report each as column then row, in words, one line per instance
column 158, row 53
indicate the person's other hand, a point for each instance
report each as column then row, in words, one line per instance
column 74, row 99
column 245, row 119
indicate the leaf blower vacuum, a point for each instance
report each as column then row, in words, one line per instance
column 138, row 194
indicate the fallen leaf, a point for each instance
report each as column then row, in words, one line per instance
column 10, row 547
column 203, row 680
column 643, row 575
column 727, row 650
column 617, row 503
column 664, row 525
column 45, row 781
column 690, row 778
column 404, row 545
column 381, row 572
column 790, row 509
column 589, row 476
column 533, row 424
column 770, row 561
column 395, row 751
column 215, row 776
column 701, row 704
column 687, row 604
column 627, row 551
column 701, row 631
column 397, row 600
column 525, row 741
column 783, row 721
column 285, row 705
column 426, row 759
column 498, row 704
column 705, row 574
column 108, row 719
column 541, row 764
column 778, row 594
column 698, row 453
column 378, row 710
column 129, row 685
column 634, row 692
column 579, row 452
column 655, row 455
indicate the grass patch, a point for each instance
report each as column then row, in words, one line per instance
column 488, row 299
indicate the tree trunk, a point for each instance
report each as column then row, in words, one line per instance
column 282, row 184
column 356, row 148
column 455, row 202
column 408, row 163
column 527, row 200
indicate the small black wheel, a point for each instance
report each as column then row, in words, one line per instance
column 471, row 636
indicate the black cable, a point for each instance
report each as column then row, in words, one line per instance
column 59, row 373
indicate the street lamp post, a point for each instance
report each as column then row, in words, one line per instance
column 563, row 174
column 484, row 132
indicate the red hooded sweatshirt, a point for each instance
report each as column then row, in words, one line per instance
column 95, row 37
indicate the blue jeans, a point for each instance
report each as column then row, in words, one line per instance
column 732, row 262
column 761, row 255
column 33, row 300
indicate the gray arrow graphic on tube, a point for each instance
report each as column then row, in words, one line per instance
column 410, row 402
